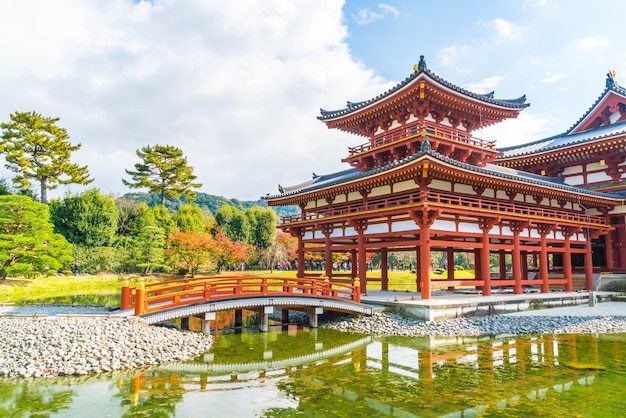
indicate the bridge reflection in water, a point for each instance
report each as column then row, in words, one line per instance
column 409, row 377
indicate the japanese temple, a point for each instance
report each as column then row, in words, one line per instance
column 421, row 182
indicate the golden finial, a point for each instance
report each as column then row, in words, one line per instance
column 612, row 73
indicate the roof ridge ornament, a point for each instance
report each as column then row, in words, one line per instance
column 420, row 65
column 610, row 79
column 425, row 145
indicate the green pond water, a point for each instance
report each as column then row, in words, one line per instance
column 291, row 372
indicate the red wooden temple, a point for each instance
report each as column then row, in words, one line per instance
column 422, row 182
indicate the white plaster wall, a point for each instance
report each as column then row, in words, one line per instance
column 341, row 198
column 441, row 185
column 379, row 191
column 501, row 194
column 404, row 185
column 310, row 205
column 595, row 166
column 573, row 180
column 489, row 193
column 597, row 177
column 464, row 188
column 354, row 196
column 619, row 210
column 394, row 124
column 572, row 170
column 412, row 118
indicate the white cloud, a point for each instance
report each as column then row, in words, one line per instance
column 367, row 15
column 388, row 9
column 450, row 55
column 551, row 78
column 592, row 43
column 527, row 127
column 505, row 30
column 236, row 87
column 485, row 85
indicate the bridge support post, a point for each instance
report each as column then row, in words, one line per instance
column 238, row 317
column 184, row 323
column 285, row 316
column 206, row 322
column 313, row 316
column 265, row 311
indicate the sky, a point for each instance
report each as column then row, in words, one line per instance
column 238, row 85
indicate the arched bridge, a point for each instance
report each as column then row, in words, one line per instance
column 203, row 296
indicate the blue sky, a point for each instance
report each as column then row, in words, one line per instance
column 238, row 85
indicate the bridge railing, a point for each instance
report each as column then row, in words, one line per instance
column 146, row 298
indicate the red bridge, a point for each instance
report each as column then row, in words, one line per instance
column 203, row 296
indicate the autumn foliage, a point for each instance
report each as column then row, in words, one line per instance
column 192, row 251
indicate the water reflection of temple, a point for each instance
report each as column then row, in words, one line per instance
column 407, row 376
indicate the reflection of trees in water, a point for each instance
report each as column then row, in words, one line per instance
column 30, row 399
column 150, row 394
column 537, row 376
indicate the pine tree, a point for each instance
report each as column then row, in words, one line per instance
column 36, row 148
column 164, row 171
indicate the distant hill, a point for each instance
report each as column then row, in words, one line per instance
column 208, row 201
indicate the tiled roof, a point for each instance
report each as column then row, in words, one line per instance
column 518, row 103
column 611, row 85
column 570, row 137
column 353, row 174
column 563, row 140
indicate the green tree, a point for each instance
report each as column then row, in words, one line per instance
column 160, row 217
column 36, row 148
column 262, row 223
column 152, row 252
column 27, row 241
column 233, row 223
column 163, row 170
column 89, row 218
column 190, row 218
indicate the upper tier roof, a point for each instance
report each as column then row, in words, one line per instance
column 423, row 73
column 593, row 125
column 350, row 175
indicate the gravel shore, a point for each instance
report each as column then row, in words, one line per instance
column 58, row 346
column 397, row 325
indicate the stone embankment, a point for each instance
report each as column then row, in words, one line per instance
column 57, row 345
column 397, row 325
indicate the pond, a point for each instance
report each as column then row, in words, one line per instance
column 293, row 371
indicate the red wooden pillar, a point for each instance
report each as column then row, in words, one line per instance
column 502, row 264
column 384, row 267
column 298, row 233
column 608, row 242
column 126, row 298
column 543, row 257
column 620, row 232
column 353, row 264
column 589, row 264
column 524, row 264
column 485, row 270
column 477, row 267
column 450, row 265
column 360, row 226
column 424, row 262
column 328, row 254
column 516, row 259
column 567, row 260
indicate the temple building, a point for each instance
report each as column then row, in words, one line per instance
column 422, row 182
